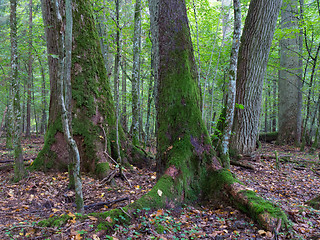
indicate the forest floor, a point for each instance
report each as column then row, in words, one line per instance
column 290, row 183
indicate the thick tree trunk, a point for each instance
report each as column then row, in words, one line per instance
column 252, row 62
column 93, row 112
column 290, row 75
column 186, row 162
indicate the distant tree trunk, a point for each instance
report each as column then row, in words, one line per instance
column 9, row 119
column 290, row 75
column 43, row 125
column 3, row 120
column 198, row 45
column 19, row 170
column 150, row 98
column 136, row 73
column 30, row 78
column 117, row 56
column 124, row 121
column 275, row 107
column 252, row 62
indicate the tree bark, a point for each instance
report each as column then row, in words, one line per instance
column 232, row 77
column 30, row 78
column 290, row 75
column 19, row 169
column 136, row 73
column 93, row 110
column 186, row 163
column 252, row 62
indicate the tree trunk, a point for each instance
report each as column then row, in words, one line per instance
column 124, row 122
column 186, row 162
column 232, row 76
column 93, row 112
column 29, row 82
column 136, row 73
column 252, row 62
column 289, row 75
column 19, row 170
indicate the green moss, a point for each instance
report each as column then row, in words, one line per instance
column 258, row 206
column 56, row 221
column 46, row 158
column 102, row 169
column 108, row 219
column 215, row 182
column 160, row 228
column 163, row 192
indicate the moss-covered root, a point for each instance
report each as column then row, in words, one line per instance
column 265, row 213
column 161, row 195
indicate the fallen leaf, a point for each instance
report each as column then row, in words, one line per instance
column 262, row 232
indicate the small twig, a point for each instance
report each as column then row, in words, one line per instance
column 125, row 212
column 74, row 226
column 277, row 229
column 114, row 161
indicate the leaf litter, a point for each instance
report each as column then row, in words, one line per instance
column 44, row 195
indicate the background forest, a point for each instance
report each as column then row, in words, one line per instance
column 133, row 103
column 211, row 29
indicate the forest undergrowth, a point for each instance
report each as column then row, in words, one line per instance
column 281, row 174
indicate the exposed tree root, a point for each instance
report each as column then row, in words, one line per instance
column 242, row 164
column 265, row 213
column 165, row 195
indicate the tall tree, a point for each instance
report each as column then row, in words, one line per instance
column 30, row 78
column 93, row 115
column 19, row 170
column 186, row 163
column 136, row 73
column 232, row 76
column 290, row 75
column 254, row 51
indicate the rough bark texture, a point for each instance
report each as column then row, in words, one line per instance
column 92, row 104
column 19, row 170
column 136, row 73
column 252, row 62
column 290, row 75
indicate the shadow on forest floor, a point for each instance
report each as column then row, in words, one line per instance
column 43, row 195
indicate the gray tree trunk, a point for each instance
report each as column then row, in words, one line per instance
column 232, row 76
column 136, row 73
column 290, row 75
column 19, row 170
column 252, row 62
column 30, row 78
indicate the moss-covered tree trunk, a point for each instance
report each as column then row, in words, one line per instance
column 186, row 164
column 93, row 114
